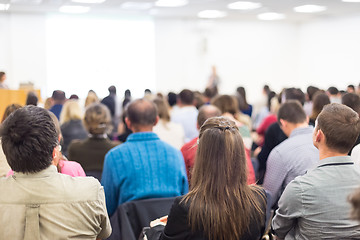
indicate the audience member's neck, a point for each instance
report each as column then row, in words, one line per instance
column 137, row 129
column 294, row 126
column 180, row 104
column 325, row 152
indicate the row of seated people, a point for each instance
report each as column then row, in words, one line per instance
column 135, row 152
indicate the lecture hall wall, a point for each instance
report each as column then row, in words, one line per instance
column 322, row 52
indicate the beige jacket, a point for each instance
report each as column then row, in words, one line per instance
column 50, row 205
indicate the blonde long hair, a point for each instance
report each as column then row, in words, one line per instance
column 220, row 201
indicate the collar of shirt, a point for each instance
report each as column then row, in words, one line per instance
column 43, row 173
column 142, row 136
column 302, row 130
column 338, row 160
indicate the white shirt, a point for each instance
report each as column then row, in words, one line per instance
column 171, row 133
column 187, row 117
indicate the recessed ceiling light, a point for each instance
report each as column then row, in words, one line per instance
column 89, row 1
column 211, row 14
column 271, row 16
column 351, row 1
column 309, row 9
column 244, row 5
column 74, row 9
column 171, row 3
column 4, row 7
column 136, row 5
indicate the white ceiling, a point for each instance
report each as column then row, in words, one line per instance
column 335, row 8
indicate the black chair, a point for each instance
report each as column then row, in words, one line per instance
column 95, row 174
column 131, row 217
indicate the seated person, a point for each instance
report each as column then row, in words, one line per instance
column 39, row 202
column 220, row 204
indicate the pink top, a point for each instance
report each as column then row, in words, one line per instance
column 70, row 168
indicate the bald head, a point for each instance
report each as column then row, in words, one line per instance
column 205, row 112
column 142, row 112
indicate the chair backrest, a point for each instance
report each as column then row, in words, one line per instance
column 130, row 218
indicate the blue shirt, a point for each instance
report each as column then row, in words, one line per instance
column 142, row 167
column 56, row 109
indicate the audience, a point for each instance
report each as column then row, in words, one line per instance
column 31, row 99
column 294, row 156
column 2, row 81
column 315, row 206
column 352, row 100
column 39, row 202
column 308, row 105
column 90, row 152
column 58, row 99
column 143, row 166
column 334, row 95
column 244, row 107
column 71, row 124
column 220, row 204
column 186, row 114
column 170, row 132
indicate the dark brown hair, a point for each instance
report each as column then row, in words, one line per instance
column 163, row 108
column 351, row 100
column 9, row 110
column 340, row 125
column 186, row 96
column 226, row 104
column 292, row 111
column 320, row 99
column 220, row 201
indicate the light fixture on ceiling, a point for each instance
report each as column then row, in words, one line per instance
column 269, row 16
column 244, row 5
column 171, row 3
column 310, row 9
column 136, row 5
column 89, row 1
column 211, row 14
column 4, row 7
column 74, row 9
column 351, row 1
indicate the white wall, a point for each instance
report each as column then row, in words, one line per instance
column 281, row 54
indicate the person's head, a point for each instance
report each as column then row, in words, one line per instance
column 337, row 127
column 350, row 88
column 74, row 96
column 49, row 102
column 163, row 109
column 354, row 199
column 198, row 99
column 209, row 93
column 171, row 97
column 206, row 112
column 9, row 110
column 351, row 100
column 58, row 97
column 266, row 89
column 219, row 196
column 91, row 98
column 320, row 99
column 141, row 115
column 31, row 99
column 226, row 104
column 295, row 94
column 186, row 97
column 112, row 90
column 290, row 115
column 70, row 111
column 311, row 90
column 241, row 94
column 2, row 77
column 29, row 139
column 127, row 93
column 333, row 91
column 97, row 119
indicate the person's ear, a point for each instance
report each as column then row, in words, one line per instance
column 307, row 119
column 156, row 120
column 128, row 122
column 319, row 135
column 283, row 123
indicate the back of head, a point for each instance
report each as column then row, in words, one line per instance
column 340, row 125
column 142, row 112
column 226, row 104
column 206, row 112
column 58, row 96
column 351, row 100
column 333, row 90
column 221, row 202
column 2, row 74
column 320, row 99
column 31, row 99
column 295, row 94
column 97, row 119
column 163, row 109
column 112, row 90
column 311, row 90
column 186, row 97
column 171, row 98
column 127, row 93
column 91, row 98
column 70, row 111
column 9, row 110
column 292, row 111
column 28, row 139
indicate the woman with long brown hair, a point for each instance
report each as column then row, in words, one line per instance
column 220, row 204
